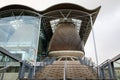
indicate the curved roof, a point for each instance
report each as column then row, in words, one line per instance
column 69, row 6
column 76, row 12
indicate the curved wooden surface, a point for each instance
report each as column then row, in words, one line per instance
column 67, row 53
column 65, row 37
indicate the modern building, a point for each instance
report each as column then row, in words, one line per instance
column 49, row 44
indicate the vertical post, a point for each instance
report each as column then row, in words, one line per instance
column 113, row 69
column 65, row 66
column 22, row 70
column 37, row 43
column 111, row 73
column 102, row 76
column 94, row 43
column 31, row 70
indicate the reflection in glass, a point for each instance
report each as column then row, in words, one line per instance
column 19, row 34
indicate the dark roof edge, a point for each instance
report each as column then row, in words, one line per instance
column 69, row 6
column 52, row 8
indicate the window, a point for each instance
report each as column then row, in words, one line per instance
column 77, row 23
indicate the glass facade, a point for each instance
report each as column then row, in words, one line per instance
column 19, row 33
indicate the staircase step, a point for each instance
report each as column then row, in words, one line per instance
column 74, row 71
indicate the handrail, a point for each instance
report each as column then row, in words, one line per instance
column 5, row 52
column 104, row 63
column 4, row 68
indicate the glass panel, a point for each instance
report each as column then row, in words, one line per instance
column 53, row 24
column 19, row 35
column 8, row 68
column 77, row 23
column 117, row 69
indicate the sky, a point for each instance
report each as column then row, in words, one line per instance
column 106, row 27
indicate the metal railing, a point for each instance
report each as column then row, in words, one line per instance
column 47, row 61
column 2, row 71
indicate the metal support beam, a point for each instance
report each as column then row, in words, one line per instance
column 23, row 66
column 94, row 41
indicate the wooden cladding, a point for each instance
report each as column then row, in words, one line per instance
column 65, row 37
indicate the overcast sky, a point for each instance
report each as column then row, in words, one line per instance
column 106, row 27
